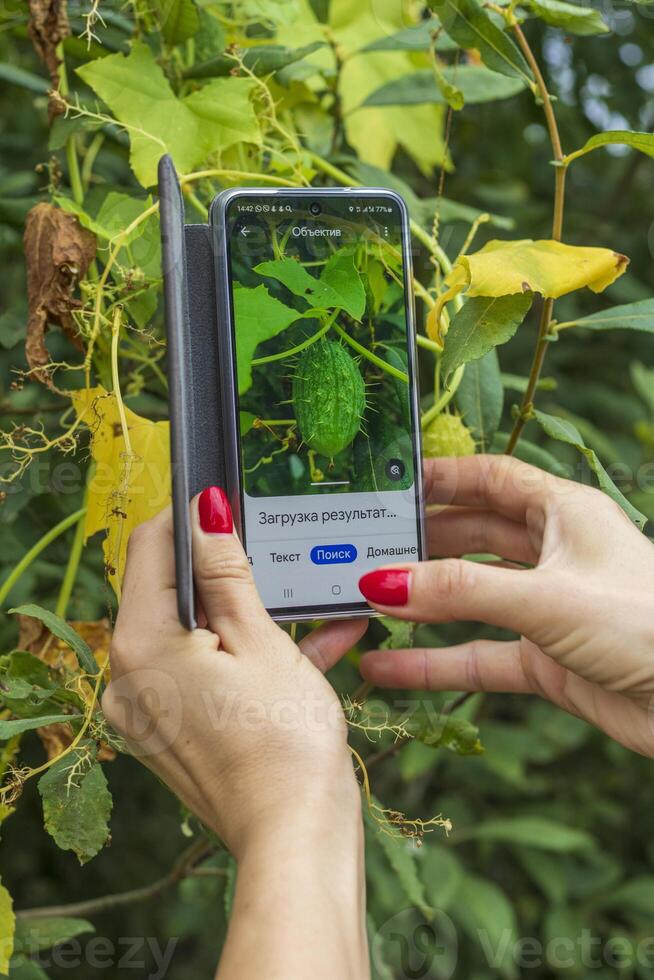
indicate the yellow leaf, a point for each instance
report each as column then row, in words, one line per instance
column 374, row 132
column 546, row 267
column 7, row 927
column 125, row 489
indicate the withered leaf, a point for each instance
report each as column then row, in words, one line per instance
column 48, row 26
column 39, row 641
column 58, row 252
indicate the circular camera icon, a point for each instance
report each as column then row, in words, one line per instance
column 395, row 469
column 416, row 945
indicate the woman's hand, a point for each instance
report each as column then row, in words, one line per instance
column 250, row 735
column 585, row 611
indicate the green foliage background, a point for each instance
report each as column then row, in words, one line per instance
column 551, row 823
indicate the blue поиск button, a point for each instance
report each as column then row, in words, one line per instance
column 333, row 554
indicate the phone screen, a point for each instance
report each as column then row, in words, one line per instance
column 323, row 373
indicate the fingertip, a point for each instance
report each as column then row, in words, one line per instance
column 214, row 513
column 376, row 666
column 325, row 645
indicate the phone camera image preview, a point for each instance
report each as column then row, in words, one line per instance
column 327, row 451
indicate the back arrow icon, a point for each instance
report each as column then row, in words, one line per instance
column 245, row 231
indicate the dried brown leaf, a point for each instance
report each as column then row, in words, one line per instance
column 58, row 252
column 38, row 640
column 48, row 26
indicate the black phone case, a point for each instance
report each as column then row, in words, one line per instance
column 196, row 422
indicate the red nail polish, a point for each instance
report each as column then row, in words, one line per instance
column 214, row 511
column 386, row 586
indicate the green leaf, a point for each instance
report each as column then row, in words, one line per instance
column 643, row 142
column 450, row 92
column 547, row 872
column 22, row 676
column 12, row 328
column 16, row 726
column 259, row 316
column 60, row 628
column 643, row 381
column 246, row 421
column 444, row 731
column 564, row 925
column 230, row 886
column 539, row 832
column 421, row 209
column 24, row 79
column 629, row 316
column 594, row 437
column 23, row 968
column 484, row 912
column 469, row 25
column 139, row 95
column 210, row 40
column 475, row 83
column 401, row 855
column 341, row 276
column 76, row 804
column 530, row 453
column 569, row 16
column 400, row 633
column 63, row 127
column 116, row 213
column 178, row 19
column 260, row 60
column 480, row 398
column 416, row 38
column 635, row 896
column 564, row 431
column 339, row 285
column 482, row 323
column 415, row 760
column 35, row 934
column 7, row 927
column 519, row 382
column 442, row 874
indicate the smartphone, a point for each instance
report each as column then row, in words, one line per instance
column 318, row 374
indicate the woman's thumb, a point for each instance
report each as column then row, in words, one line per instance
column 223, row 577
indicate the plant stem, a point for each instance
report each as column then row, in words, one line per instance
column 238, row 175
column 428, row 344
column 444, row 399
column 542, row 341
column 417, row 230
column 378, row 361
column 299, row 347
column 71, row 148
column 89, row 158
column 127, row 455
column 182, row 868
column 71, row 568
column 202, row 210
column 36, row 550
column 99, row 290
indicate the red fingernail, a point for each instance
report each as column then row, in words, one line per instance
column 386, row 586
column 215, row 512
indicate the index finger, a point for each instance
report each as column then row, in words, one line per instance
column 500, row 483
